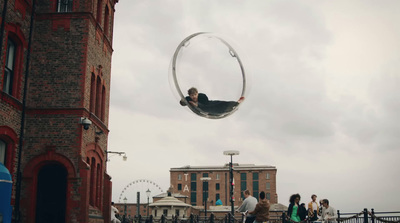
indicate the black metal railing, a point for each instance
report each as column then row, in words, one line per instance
column 364, row 216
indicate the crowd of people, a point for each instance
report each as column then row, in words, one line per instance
column 298, row 212
column 258, row 211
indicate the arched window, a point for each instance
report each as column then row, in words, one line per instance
column 98, row 16
column 106, row 20
column 96, row 176
column 7, row 147
column 98, row 98
column 9, row 79
column 98, row 186
column 64, row 5
column 3, row 151
column 103, row 103
column 92, row 182
column 93, row 93
column 13, row 63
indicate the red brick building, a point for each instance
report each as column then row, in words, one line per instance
column 187, row 181
column 131, row 209
column 58, row 167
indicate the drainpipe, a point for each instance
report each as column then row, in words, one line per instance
column 17, row 214
column 3, row 23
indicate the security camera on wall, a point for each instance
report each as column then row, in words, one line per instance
column 85, row 122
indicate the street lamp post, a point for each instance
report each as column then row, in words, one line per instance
column 231, row 153
column 148, row 201
column 124, row 218
column 205, row 190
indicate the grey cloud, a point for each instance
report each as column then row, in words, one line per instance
column 289, row 116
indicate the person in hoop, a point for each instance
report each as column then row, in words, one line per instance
column 203, row 105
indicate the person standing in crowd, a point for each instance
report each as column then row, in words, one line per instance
column 296, row 212
column 313, row 208
column 303, row 211
column 321, row 208
column 262, row 209
column 328, row 212
column 249, row 204
column 114, row 211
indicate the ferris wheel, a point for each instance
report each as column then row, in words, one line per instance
column 141, row 186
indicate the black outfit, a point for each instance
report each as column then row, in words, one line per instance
column 301, row 211
column 213, row 108
column 250, row 219
column 315, row 216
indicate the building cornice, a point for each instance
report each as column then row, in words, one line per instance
column 236, row 167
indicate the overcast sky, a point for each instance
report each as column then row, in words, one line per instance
column 323, row 104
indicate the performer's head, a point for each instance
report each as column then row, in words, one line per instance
column 314, row 197
column 193, row 94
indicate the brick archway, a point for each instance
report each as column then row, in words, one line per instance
column 30, row 180
column 8, row 135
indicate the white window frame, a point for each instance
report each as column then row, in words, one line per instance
column 3, row 148
column 64, row 5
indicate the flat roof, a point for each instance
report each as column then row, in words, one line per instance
column 176, row 195
column 225, row 167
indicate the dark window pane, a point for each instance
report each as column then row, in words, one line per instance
column 3, row 147
column 255, row 185
column 217, row 197
column 243, row 187
column 193, row 177
column 193, row 199
column 10, row 54
column 64, row 6
column 9, row 67
column 205, row 196
column 255, row 176
column 205, row 186
column 255, row 194
column 193, row 186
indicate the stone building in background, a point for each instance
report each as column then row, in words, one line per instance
column 55, row 72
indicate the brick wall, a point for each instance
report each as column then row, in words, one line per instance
column 223, row 182
column 67, row 48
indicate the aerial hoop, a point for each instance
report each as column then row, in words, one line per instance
column 222, row 107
